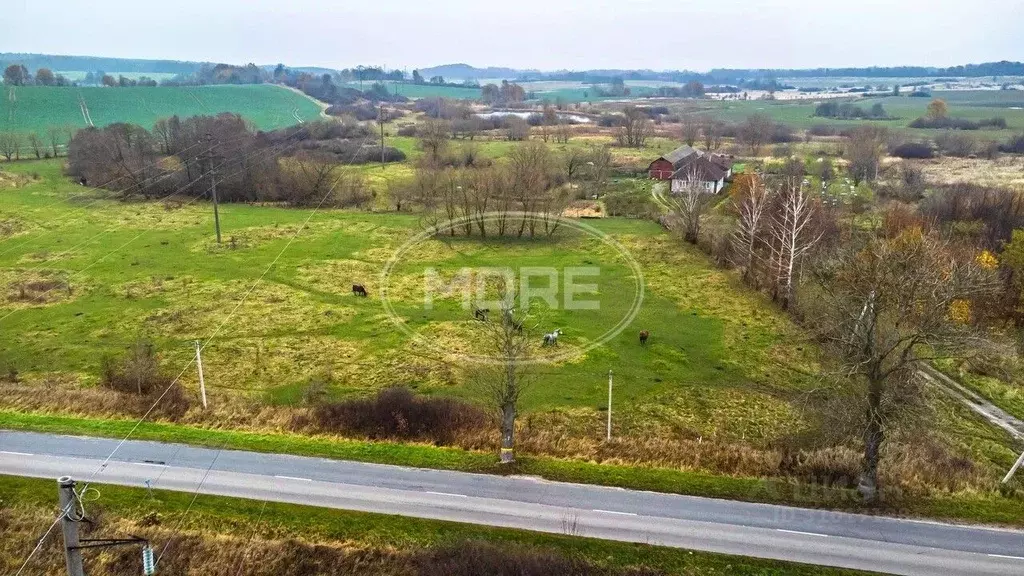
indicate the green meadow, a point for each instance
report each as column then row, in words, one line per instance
column 721, row 360
column 28, row 109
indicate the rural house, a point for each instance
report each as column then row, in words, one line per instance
column 685, row 163
column 703, row 170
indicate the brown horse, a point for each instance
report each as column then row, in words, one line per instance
column 644, row 335
column 359, row 290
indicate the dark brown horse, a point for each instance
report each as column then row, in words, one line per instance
column 644, row 335
column 359, row 290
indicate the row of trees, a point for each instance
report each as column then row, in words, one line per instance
column 19, row 75
column 295, row 166
column 883, row 301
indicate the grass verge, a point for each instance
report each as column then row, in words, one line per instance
column 215, row 515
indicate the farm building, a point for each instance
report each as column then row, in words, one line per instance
column 701, row 169
column 685, row 163
column 664, row 167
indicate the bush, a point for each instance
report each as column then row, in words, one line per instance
column 823, row 130
column 1015, row 145
column 138, row 374
column 954, row 144
column 409, row 130
column 913, row 151
column 396, row 413
column 949, row 123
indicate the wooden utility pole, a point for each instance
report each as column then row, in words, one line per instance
column 72, row 551
column 609, row 405
column 199, row 364
column 213, row 186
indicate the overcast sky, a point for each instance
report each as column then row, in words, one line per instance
column 545, row 34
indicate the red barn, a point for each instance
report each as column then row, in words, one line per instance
column 664, row 167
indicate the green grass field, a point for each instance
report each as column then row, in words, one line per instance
column 423, row 90
column 719, row 361
column 28, row 109
column 973, row 105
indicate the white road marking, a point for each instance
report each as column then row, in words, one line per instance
column 151, row 464
column 614, row 512
column 1004, row 556
column 802, row 533
column 16, row 453
column 293, row 478
column 447, row 494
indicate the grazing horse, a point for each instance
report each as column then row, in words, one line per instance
column 551, row 339
column 83, row 181
column 359, row 290
column 644, row 335
column 481, row 314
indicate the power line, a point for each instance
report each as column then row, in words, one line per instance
column 136, row 237
column 68, row 216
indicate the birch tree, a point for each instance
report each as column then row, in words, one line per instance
column 753, row 214
column 793, row 235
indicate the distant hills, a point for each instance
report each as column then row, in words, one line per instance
column 461, row 71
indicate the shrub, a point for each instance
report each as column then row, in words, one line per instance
column 138, row 374
column 396, row 413
column 950, row 123
column 954, row 144
column 409, row 130
column 1015, row 145
column 913, row 150
column 823, row 130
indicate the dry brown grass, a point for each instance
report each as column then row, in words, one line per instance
column 233, row 553
column 1004, row 172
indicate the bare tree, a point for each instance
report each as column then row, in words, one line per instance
column 9, row 143
column 886, row 308
column 755, row 132
column 573, row 161
column 313, row 175
column 793, row 235
column 508, row 343
column 636, row 128
column 434, row 136
column 36, row 144
column 753, row 214
column 55, row 133
column 690, row 129
column 865, row 151
column 689, row 205
column 708, row 131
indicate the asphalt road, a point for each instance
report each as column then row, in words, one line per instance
column 896, row 546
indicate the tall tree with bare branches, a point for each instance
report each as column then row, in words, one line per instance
column 793, row 235
column 635, row 129
column 884, row 309
column 507, row 376
column 750, row 230
column 688, row 206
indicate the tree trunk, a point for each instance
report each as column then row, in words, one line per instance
column 508, row 429
column 873, row 436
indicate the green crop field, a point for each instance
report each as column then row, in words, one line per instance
column 29, row 109
column 423, row 90
column 972, row 105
